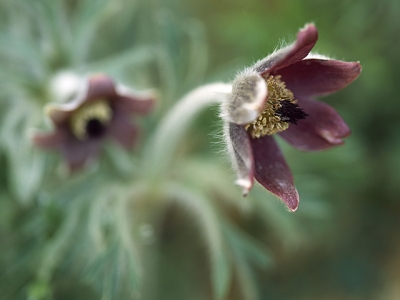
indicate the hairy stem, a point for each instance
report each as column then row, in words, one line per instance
column 172, row 128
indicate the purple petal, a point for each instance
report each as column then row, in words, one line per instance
column 239, row 148
column 133, row 101
column 100, row 86
column 272, row 171
column 51, row 140
column 123, row 131
column 306, row 39
column 135, row 104
column 322, row 129
column 311, row 77
column 77, row 153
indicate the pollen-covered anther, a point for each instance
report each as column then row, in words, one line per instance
column 280, row 109
column 91, row 119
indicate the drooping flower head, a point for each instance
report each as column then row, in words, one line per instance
column 275, row 96
column 100, row 110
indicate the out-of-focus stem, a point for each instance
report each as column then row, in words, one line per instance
column 172, row 128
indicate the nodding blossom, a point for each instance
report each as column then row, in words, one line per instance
column 100, row 110
column 276, row 96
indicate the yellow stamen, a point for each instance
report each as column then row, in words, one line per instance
column 269, row 122
column 98, row 110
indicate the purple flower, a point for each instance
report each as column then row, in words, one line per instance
column 275, row 96
column 100, row 110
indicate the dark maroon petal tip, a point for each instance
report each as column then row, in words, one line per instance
column 272, row 171
column 306, row 39
column 313, row 77
column 291, row 199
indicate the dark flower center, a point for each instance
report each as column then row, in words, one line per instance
column 95, row 128
column 91, row 119
column 290, row 112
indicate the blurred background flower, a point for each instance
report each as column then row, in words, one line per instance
column 166, row 222
column 100, row 109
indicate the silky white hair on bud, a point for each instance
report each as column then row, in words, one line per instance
column 246, row 101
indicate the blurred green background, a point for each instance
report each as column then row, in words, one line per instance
column 342, row 243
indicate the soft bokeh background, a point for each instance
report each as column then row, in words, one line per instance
column 116, row 232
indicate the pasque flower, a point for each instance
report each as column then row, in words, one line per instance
column 275, row 96
column 100, row 109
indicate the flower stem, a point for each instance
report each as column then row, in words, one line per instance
column 172, row 128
